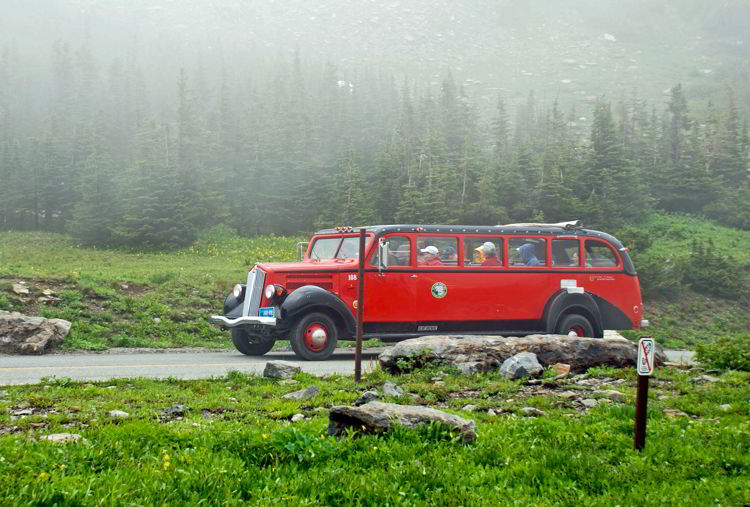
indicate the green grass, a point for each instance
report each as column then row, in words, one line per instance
column 236, row 445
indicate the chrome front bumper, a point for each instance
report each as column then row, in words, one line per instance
column 220, row 320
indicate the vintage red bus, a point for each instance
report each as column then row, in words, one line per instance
column 437, row 279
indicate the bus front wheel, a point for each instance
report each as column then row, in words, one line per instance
column 577, row 324
column 256, row 346
column 315, row 336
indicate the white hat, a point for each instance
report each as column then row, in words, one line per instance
column 489, row 246
column 430, row 250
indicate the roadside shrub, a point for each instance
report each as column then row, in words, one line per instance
column 727, row 352
column 706, row 271
column 658, row 274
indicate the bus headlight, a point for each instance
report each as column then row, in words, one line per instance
column 274, row 291
column 237, row 291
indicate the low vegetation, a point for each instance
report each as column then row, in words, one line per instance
column 235, row 444
column 130, row 298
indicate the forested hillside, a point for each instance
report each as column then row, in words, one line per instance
column 152, row 134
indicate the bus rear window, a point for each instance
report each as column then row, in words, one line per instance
column 599, row 254
column 527, row 251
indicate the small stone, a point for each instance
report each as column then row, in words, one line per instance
column 560, row 368
column 232, row 398
column 174, row 411
column 280, row 369
column 588, row 402
column 288, row 382
column 111, row 387
column 533, row 412
column 706, row 378
column 20, row 289
column 726, row 407
column 3, row 394
column 61, row 438
column 436, row 379
column 673, row 412
column 438, row 383
column 560, row 377
column 23, row 412
column 297, row 418
column 533, row 382
column 48, row 292
column 118, row 414
column 303, row 394
column 491, row 412
column 663, row 397
column 366, row 397
column 469, row 408
column 157, row 320
column 124, row 285
column 320, row 409
column 611, row 394
column 524, row 364
column 391, row 389
column 568, row 395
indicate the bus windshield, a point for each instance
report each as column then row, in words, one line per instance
column 336, row 248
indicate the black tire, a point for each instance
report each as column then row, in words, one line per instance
column 301, row 341
column 257, row 346
column 576, row 323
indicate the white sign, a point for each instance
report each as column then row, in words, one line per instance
column 645, row 361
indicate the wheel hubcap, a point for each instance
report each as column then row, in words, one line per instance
column 578, row 330
column 316, row 337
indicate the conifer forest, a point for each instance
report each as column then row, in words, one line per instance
column 116, row 151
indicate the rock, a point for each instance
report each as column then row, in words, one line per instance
column 288, row 382
column 469, row 408
column 174, row 411
column 523, row 364
column 588, row 402
column 157, row 320
column 560, row 368
column 280, row 369
column 491, row 412
column 378, row 417
column 124, row 286
column 367, row 397
column 21, row 334
column 297, row 418
column 472, row 354
column 673, row 412
column 62, row 438
column 118, row 414
column 20, row 289
column 706, row 378
column 3, row 394
column 726, row 407
column 48, row 292
column 111, row 387
column 23, row 412
column 391, row 389
column 568, row 395
column 533, row 382
column 533, row 412
column 303, row 394
column 611, row 394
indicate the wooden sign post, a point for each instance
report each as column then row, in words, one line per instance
column 645, row 367
column 360, row 307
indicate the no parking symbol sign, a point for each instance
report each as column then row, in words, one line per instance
column 645, row 361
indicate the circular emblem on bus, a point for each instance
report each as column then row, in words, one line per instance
column 439, row 290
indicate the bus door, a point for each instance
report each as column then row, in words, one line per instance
column 390, row 293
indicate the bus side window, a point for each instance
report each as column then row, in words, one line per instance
column 527, row 251
column 565, row 252
column 484, row 252
column 399, row 252
column 599, row 254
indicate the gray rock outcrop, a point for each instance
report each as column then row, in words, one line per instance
column 378, row 417
column 471, row 354
column 524, row 364
column 21, row 334
column 303, row 394
column 280, row 369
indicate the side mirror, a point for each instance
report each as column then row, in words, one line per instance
column 382, row 255
column 301, row 250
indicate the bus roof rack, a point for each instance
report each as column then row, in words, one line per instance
column 571, row 224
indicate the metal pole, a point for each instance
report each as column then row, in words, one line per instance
column 641, row 405
column 360, row 308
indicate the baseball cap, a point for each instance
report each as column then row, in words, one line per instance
column 430, row 250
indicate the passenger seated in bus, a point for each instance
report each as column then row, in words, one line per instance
column 429, row 256
column 449, row 257
column 528, row 255
column 487, row 254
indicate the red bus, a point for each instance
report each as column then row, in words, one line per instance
column 421, row 280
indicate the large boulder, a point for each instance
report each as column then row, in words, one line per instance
column 378, row 417
column 21, row 334
column 472, row 354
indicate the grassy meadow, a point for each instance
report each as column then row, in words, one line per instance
column 119, row 298
column 235, row 443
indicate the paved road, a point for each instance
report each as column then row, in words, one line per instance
column 185, row 365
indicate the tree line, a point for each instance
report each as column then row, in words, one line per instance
column 304, row 145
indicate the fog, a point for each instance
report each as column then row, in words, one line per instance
column 214, row 79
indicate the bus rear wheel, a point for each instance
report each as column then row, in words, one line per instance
column 315, row 336
column 578, row 324
column 255, row 346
